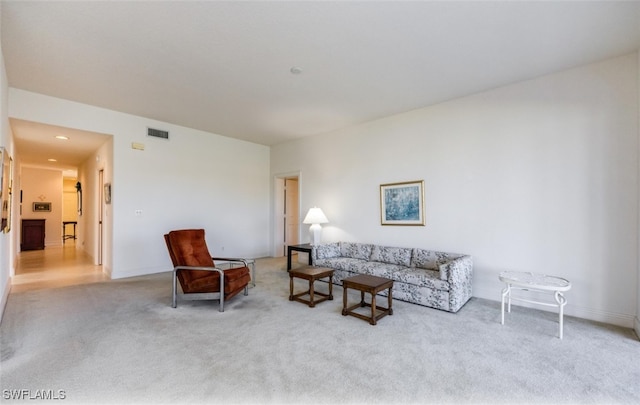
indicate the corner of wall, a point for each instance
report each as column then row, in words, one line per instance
column 636, row 324
column 5, row 298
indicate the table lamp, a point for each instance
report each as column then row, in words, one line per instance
column 315, row 217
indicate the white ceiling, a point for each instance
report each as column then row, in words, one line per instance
column 224, row 66
column 39, row 144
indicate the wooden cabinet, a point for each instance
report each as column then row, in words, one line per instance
column 32, row 237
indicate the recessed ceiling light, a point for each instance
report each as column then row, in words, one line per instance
column 52, row 160
column 62, row 137
column 295, row 70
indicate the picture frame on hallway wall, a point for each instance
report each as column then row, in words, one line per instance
column 402, row 203
column 41, row 207
column 6, row 185
column 107, row 193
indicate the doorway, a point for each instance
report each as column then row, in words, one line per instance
column 287, row 213
column 101, row 202
column 74, row 160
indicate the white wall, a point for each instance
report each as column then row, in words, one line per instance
column 539, row 176
column 88, row 229
column 42, row 185
column 6, row 140
column 195, row 179
column 637, row 319
column 69, row 201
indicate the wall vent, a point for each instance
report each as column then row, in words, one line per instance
column 158, row 133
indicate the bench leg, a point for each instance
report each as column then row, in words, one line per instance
column 562, row 301
column 505, row 292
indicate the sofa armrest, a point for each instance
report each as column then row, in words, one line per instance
column 459, row 275
column 458, row 269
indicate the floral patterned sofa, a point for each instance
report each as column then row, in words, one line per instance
column 425, row 277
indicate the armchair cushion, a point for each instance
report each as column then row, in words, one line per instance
column 235, row 280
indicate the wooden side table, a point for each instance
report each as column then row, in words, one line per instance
column 312, row 274
column 367, row 284
column 66, row 236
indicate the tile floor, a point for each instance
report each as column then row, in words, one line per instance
column 53, row 267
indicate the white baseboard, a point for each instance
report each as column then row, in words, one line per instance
column 624, row 320
column 636, row 327
column 592, row 314
column 107, row 271
column 138, row 272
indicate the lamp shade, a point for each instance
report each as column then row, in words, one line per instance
column 315, row 216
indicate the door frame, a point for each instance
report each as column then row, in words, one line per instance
column 277, row 215
column 100, row 215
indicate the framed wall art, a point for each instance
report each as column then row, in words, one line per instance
column 41, row 207
column 402, row 203
column 6, row 185
column 107, row 193
column 79, row 195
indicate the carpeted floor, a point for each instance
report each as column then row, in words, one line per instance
column 121, row 342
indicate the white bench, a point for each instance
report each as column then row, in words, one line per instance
column 538, row 282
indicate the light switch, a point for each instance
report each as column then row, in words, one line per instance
column 137, row 145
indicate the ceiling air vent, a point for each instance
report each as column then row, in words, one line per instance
column 158, row 133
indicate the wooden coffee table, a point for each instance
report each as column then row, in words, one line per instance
column 312, row 274
column 367, row 284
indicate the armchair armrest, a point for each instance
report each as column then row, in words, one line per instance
column 219, row 270
column 251, row 263
column 231, row 260
column 174, row 287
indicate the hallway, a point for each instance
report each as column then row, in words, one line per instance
column 54, row 267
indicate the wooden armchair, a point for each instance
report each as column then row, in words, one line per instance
column 195, row 269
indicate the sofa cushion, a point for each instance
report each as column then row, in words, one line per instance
column 422, row 278
column 341, row 263
column 403, row 274
column 429, row 259
column 391, row 255
column 429, row 297
column 379, row 269
column 424, row 259
column 327, row 250
column 355, row 250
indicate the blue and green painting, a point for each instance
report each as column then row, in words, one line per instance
column 402, row 203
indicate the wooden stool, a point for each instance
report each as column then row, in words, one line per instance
column 312, row 274
column 367, row 284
